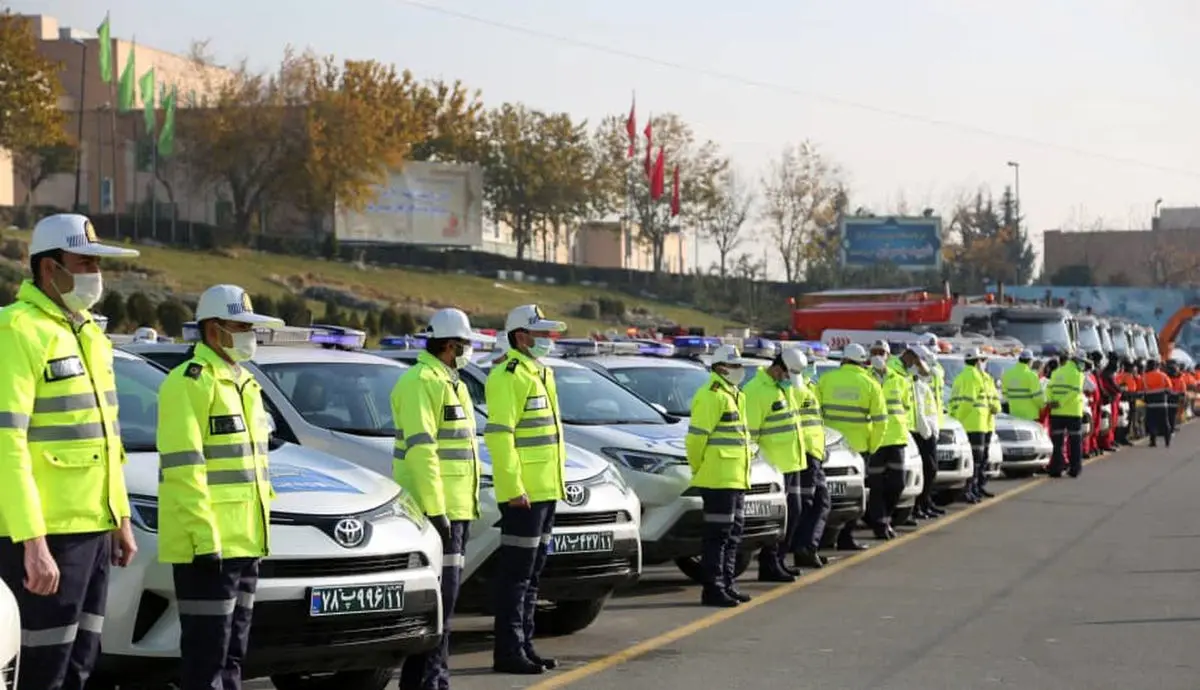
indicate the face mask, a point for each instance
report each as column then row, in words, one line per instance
column 797, row 380
column 464, row 358
column 541, row 347
column 810, row 372
column 785, row 383
column 86, row 293
column 914, row 370
column 244, row 346
column 879, row 362
column 734, row 376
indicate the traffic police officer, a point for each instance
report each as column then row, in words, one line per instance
column 889, row 458
column 60, row 529
column 214, row 494
column 772, row 407
column 436, row 459
column 1065, row 394
column 1023, row 389
column 815, row 501
column 718, row 451
column 970, row 400
column 852, row 403
column 524, row 435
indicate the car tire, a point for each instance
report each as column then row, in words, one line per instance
column 368, row 679
column 690, row 566
column 568, row 617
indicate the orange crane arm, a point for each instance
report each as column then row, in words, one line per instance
column 1170, row 331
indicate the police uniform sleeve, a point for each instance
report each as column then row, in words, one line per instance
column 420, row 410
column 758, row 406
column 505, row 398
column 876, row 417
column 705, row 415
column 20, row 503
column 185, row 400
column 960, row 398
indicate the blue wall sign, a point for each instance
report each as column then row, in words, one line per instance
column 913, row 244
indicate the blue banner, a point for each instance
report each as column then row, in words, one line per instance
column 913, row 244
column 1147, row 306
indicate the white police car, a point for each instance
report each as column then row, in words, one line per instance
column 953, row 365
column 350, row 587
column 647, row 447
column 670, row 383
column 339, row 402
column 1026, row 446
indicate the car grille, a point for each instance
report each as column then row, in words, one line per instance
column 758, row 489
column 840, row 471
column 287, row 624
column 951, row 465
column 946, row 437
column 1014, row 435
column 609, row 517
column 585, row 565
column 332, row 567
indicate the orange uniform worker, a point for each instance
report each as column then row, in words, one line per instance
column 1156, row 386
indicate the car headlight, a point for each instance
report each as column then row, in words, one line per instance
column 612, row 476
column 144, row 512
column 404, row 506
column 638, row 461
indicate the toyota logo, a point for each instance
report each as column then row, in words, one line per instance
column 577, row 495
column 349, row 532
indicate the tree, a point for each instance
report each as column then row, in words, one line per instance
column 1017, row 246
column 700, row 165
column 29, row 90
column 565, row 195
column 35, row 166
column 802, row 197
column 721, row 223
column 985, row 245
column 172, row 314
column 451, row 120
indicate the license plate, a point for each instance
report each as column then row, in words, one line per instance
column 836, row 488
column 583, row 542
column 945, row 455
column 759, row 509
column 342, row 601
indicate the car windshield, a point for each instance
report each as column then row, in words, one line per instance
column 671, row 387
column 998, row 367
column 1089, row 338
column 350, row 397
column 137, row 396
column 1120, row 340
column 1139, row 346
column 1106, row 342
column 588, row 397
column 1035, row 333
column 953, row 366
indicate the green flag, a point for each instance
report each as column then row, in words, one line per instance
column 127, row 89
column 166, row 139
column 105, row 41
column 146, row 85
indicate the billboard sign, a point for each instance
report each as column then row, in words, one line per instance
column 433, row 204
column 913, row 244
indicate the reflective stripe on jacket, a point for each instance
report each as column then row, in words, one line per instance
column 811, row 424
column 214, row 491
column 718, row 443
column 852, row 403
column 970, row 399
column 1023, row 391
column 1066, row 389
column 897, row 396
column 60, row 439
column 436, row 456
column 524, row 431
column 773, row 420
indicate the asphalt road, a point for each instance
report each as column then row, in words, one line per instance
column 1069, row 583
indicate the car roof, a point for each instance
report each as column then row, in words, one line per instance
column 277, row 354
column 556, row 362
column 631, row 361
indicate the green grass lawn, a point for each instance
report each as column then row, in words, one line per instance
column 261, row 273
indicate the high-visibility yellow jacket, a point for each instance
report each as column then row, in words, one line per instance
column 898, row 398
column 524, row 431
column 971, row 400
column 810, row 420
column 718, row 443
column 1066, row 389
column 436, row 457
column 214, row 493
column 773, row 420
column 938, row 374
column 852, row 402
column 60, row 440
column 1023, row 391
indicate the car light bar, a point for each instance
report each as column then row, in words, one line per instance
column 480, row 342
column 338, row 337
column 324, row 336
column 760, row 347
column 689, row 345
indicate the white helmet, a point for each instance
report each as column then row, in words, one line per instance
column 929, row 340
column 882, row 345
column 728, row 355
column 450, row 323
column 855, row 353
column 794, row 360
column 972, row 353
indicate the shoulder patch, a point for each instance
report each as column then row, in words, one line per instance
column 193, row 370
column 512, row 365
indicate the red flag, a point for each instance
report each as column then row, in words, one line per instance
column 657, row 181
column 631, row 127
column 675, row 193
column 649, row 132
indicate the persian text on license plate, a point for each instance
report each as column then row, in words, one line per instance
column 351, row 599
column 836, row 488
column 583, row 542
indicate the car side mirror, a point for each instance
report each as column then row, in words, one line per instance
column 660, row 408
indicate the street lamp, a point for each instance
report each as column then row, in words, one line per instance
column 79, row 109
column 1016, row 192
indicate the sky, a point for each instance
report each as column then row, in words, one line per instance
column 918, row 100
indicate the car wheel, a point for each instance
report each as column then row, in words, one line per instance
column 369, row 679
column 568, row 617
column 690, row 566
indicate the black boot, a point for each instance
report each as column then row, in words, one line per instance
column 547, row 662
column 738, row 595
column 719, row 598
column 517, row 665
column 806, row 558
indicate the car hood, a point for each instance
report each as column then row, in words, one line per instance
column 581, row 464
column 664, row 439
column 305, row 481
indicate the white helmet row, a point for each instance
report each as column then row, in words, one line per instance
column 855, row 353
column 794, row 360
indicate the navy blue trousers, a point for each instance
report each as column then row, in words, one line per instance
column 771, row 558
column 815, row 504
column 724, row 521
column 431, row 670
column 525, row 537
column 216, row 604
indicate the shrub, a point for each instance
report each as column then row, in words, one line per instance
column 263, row 304
column 589, row 310
column 389, row 321
column 371, row 323
column 172, row 314
column 139, row 310
column 333, row 313
column 406, row 324
column 354, row 321
column 8, row 294
column 293, row 310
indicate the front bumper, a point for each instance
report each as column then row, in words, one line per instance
column 955, row 466
column 850, row 502
column 766, row 512
column 1025, row 457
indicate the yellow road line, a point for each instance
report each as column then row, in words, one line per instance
column 807, row 580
